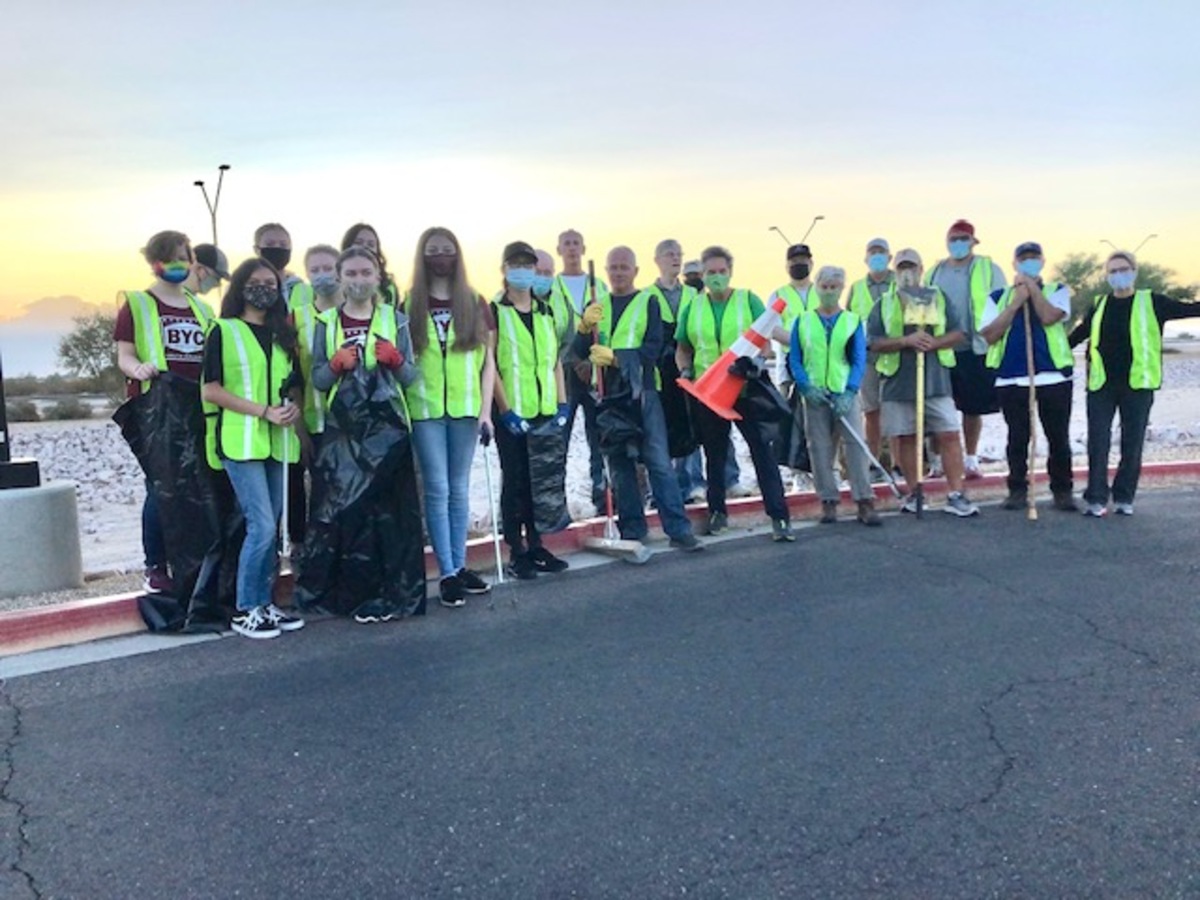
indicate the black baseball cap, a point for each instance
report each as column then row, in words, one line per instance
column 519, row 251
column 211, row 257
column 1029, row 247
column 799, row 250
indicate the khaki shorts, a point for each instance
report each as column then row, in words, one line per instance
column 869, row 389
column 900, row 418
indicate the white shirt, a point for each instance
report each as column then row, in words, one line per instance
column 576, row 286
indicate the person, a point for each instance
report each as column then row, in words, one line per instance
column 1002, row 325
column 799, row 296
column 828, row 358
column 249, row 362
column 161, row 329
column 567, row 299
column 209, row 269
column 529, row 391
column 967, row 281
column 454, row 340
column 365, row 553
column 360, row 234
column 707, row 327
column 897, row 345
column 623, row 335
column 273, row 243
column 864, row 294
column 1123, row 331
column 693, row 275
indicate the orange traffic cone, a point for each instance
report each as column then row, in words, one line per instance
column 718, row 388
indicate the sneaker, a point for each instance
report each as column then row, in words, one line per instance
column 686, row 542
column 957, row 504
column 1096, row 510
column 373, row 618
column 828, row 512
column 1065, row 502
column 453, row 595
column 698, row 494
column 910, row 504
column 781, row 531
column 867, row 514
column 157, row 581
column 1123, row 509
column 472, row 583
column 717, row 523
column 253, row 623
column 521, row 567
column 738, row 491
column 877, row 475
column 545, row 561
column 971, row 470
column 1015, row 500
column 935, row 467
column 282, row 619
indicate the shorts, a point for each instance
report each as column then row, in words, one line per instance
column 899, row 417
column 869, row 389
column 973, row 384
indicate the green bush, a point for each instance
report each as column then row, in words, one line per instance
column 69, row 408
column 22, row 411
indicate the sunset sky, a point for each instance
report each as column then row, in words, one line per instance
column 1064, row 122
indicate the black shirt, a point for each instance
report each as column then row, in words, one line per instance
column 214, row 366
column 652, row 342
column 1116, row 346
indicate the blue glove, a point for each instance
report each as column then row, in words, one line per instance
column 814, row 394
column 843, row 403
column 515, row 424
column 560, row 417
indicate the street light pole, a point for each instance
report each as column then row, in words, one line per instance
column 1147, row 239
column 813, row 225
column 777, row 230
column 215, row 202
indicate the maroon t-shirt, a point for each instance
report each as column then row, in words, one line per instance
column 354, row 329
column 440, row 313
column 182, row 337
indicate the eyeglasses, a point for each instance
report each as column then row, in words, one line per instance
column 1120, row 271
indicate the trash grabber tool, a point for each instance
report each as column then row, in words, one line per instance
column 487, row 469
column 1030, row 504
column 858, row 439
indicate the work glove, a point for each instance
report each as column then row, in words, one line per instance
column 600, row 355
column 515, row 425
column 814, row 394
column 345, row 360
column 688, row 374
column 387, row 355
column 561, row 414
column 589, row 318
column 747, row 367
column 843, row 403
column 485, row 433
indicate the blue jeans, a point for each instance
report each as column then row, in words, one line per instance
column 654, row 456
column 445, row 448
column 153, row 544
column 690, row 470
column 258, row 485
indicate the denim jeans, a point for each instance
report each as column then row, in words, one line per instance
column 1102, row 405
column 654, row 456
column 258, row 485
column 690, row 470
column 153, row 544
column 445, row 448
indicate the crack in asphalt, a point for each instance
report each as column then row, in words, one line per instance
column 7, row 771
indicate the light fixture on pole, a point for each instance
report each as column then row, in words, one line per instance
column 216, row 200
column 813, row 225
column 1147, row 239
column 778, row 231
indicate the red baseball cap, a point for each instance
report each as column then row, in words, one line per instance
column 962, row 226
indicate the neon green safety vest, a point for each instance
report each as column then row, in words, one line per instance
column 686, row 296
column 981, row 285
column 314, row 401
column 562, row 304
column 382, row 327
column 825, row 352
column 1056, row 334
column 450, row 382
column 702, row 327
column 861, row 300
column 245, row 373
column 300, row 295
column 147, row 327
column 1145, row 336
column 795, row 304
column 525, row 362
column 892, row 312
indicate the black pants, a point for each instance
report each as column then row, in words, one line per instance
column 714, row 437
column 1054, row 412
column 579, row 394
column 297, row 523
column 1102, row 405
column 516, row 489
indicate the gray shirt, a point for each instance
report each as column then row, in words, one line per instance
column 902, row 386
column 955, row 282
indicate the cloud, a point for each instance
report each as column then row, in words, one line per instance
column 49, row 313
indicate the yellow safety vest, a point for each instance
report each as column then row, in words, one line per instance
column 702, row 327
column 981, row 285
column 824, row 352
column 147, row 326
column 1056, row 334
column 382, row 327
column 525, row 362
column 892, row 312
column 1145, row 337
column 451, row 381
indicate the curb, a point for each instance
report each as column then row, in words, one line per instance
column 79, row 621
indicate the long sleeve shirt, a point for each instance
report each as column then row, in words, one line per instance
column 1116, row 347
column 856, row 352
column 652, row 344
column 324, row 377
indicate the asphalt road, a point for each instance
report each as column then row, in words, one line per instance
column 945, row 708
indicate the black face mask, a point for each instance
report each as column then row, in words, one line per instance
column 694, row 281
column 442, row 265
column 799, row 271
column 279, row 257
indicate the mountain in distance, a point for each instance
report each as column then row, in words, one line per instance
column 29, row 339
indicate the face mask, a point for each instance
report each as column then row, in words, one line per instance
column 1030, row 267
column 906, row 277
column 960, row 249
column 261, row 296
column 716, row 284
column 877, row 262
column 279, row 257
column 694, row 281
column 442, row 266
column 829, row 299
column 325, row 283
column 799, row 271
column 1122, row 281
column 207, row 284
column 173, row 272
column 520, row 279
column 359, row 291
column 542, row 284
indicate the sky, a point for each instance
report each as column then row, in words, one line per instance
column 1062, row 122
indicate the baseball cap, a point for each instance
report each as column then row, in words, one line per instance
column 907, row 255
column 692, row 267
column 1028, row 247
column 799, row 250
column 519, row 251
column 879, row 242
column 211, row 257
column 962, row 226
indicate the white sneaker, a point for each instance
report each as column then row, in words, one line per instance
column 935, row 467
column 910, row 504
column 1123, row 509
column 1095, row 510
column 957, row 504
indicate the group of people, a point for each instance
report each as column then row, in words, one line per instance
column 333, row 390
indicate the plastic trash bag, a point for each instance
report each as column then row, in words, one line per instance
column 760, row 401
column 363, row 554
column 677, row 411
column 545, row 443
column 619, row 410
column 788, row 441
column 202, row 527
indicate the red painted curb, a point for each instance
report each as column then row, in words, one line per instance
column 77, row 621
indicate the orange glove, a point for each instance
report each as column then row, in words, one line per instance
column 387, row 354
column 344, row 360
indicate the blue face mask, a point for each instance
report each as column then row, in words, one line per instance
column 542, row 284
column 1122, row 281
column 520, row 279
column 960, row 248
column 1030, row 267
column 877, row 262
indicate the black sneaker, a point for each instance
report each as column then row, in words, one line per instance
column 686, row 542
column 253, row 623
column 1015, row 500
column 472, row 583
column 453, row 594
column 717, row 523
column 545, row 561
column 282, row 620
column 828, row 512
column 521, row 567
column 781, row 531
column 1065, row 502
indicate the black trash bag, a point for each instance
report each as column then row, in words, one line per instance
column 619, row 411
column 677, row 410
column 760, row 400
column 202, row 530
column 546, row 445
column 789, row 442
column 364, row 553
